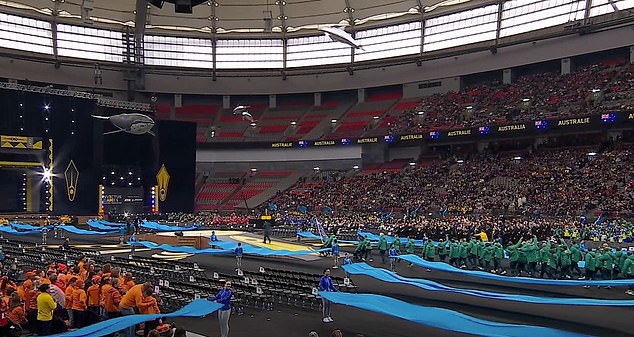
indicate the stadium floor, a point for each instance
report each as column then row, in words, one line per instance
column 284, row 321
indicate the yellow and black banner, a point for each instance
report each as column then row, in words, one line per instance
column 20, row 142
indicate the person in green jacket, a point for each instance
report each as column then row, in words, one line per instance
column 606, row 260
column 514, row 256
column 454, row 254
column 429, row 251
column 575, row 255
column 487, row 257
column 628, row 272
column 472, row 260
column 498, row 256
column 359, row 251
column 409, row 247
column 620, row 258
column 464, row 252
column 383, row 248
column 368, row 250
column 566, row 262
column 591, row 265
column 397, row 243
column 544, row 256
column 443, row 249
column 531, row 251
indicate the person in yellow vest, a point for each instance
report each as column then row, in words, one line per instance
column 45, row 307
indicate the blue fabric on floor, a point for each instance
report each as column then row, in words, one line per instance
column 165, row 228
column 27, row 227
column 310, row 235
column 388, row 276
column 111, row 224
column 11, row 230
column 75, row 230
column 441, row 318
column 375, row 238
column 197, row 308
column 101, row 226
column 441, row 266
column 226, row 248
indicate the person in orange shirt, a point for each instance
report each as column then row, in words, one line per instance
column 94, row 298
column 31, row 304
column 116, row 274
column 149, row 306
column 130, row 301
column 68, row 304
column 129, row 282
column 16, row 312
column 106, row 270
column 79, row 304
column 111, row 298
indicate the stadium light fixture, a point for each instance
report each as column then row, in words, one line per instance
column 376, row 117
column 420, row 113
column 293, row 123
column 469, row 107
column 46, row 175
column 316, row 168
column 253, row 124
column 333, row 121
column 412, row 163
column 459, row 161
column 592, row 154
column 254, row 170
column 525, row 99
column 355, row 167
column 596, row 90
column 517, row 158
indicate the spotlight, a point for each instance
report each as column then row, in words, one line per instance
column 46, row 175
column 46, row 107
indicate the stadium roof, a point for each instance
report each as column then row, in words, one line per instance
column 243, row 16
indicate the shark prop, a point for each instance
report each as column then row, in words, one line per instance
column 340, row 35
column 134, row 123
column 243, row 111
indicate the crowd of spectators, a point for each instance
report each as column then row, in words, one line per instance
column 534, row 184
column 80, row 294
column 529, row 97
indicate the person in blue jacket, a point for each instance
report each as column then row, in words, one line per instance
column 238, row 251
column 334, row 250
column 213, row 237
column 224, row 297
column 325, row 284
column 392, row 254
column 347, row 259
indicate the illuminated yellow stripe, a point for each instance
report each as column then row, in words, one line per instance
column 19, row 164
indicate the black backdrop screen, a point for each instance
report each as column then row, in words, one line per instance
column 178, row 153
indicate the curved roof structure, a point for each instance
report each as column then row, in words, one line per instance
column 242, row 16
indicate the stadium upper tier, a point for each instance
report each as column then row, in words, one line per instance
column 597, row 88
column 236, row 36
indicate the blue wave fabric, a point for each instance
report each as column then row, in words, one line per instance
column 28, row 227
column 440, row 266
column 11, row 230
column 75, row 230
column 388, row 276
column 165, row 228
column 442, row 318
column 100, row 226
column 197, row 308
column 111, row 224
column 375, row 237
column 226, row 248
column 310, row 235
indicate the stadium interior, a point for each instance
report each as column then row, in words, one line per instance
column 317, row 168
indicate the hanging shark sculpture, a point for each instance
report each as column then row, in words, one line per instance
column 242, row 110
column 340, row 35
column 134, row 123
